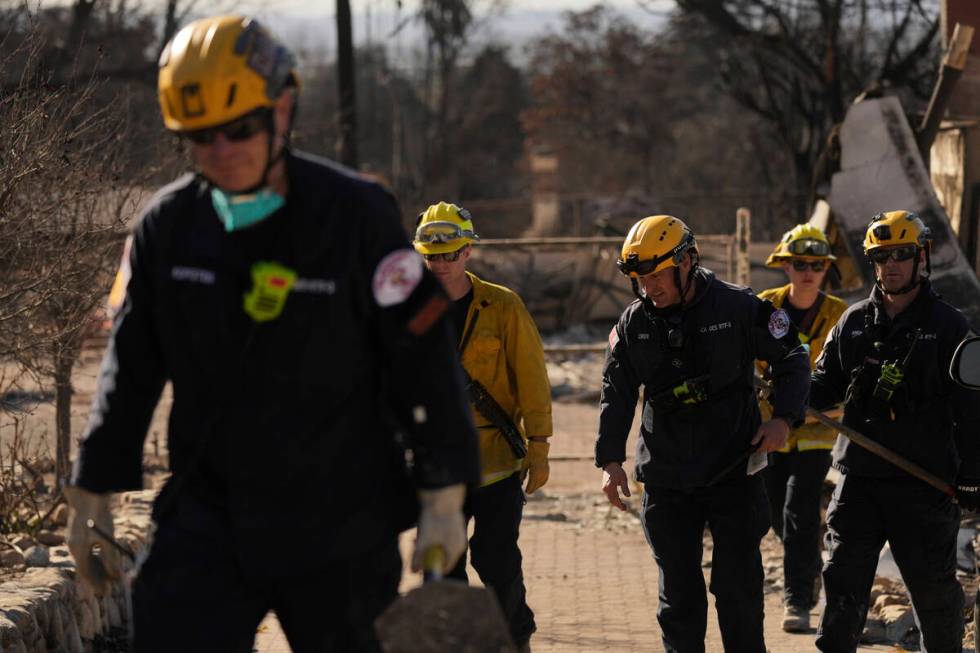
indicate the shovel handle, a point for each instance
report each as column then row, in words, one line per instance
column 884, row 452
column 432, row 563
column 875, row 447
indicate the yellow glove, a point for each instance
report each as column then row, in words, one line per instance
column 100, row 570
column 536, row 465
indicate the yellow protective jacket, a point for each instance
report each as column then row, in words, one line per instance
column 812, row 434
column 504, row 353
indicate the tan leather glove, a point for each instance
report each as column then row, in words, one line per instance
column 101, row 568
column 441, row 524
column 536, row 465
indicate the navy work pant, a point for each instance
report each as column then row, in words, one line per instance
column 794, row 482
column 191, row 595
column 737, row 513
column 496, row 511
column 920, row 523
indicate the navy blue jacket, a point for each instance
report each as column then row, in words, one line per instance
column 930, row 420
column 725, row 329
column 290, row 425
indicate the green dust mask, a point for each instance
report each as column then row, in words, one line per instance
column 240, row 210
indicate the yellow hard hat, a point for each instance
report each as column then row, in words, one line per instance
column 443, row 228
column 653, row 244
column 803, row 241
column 221, row 68
column 896, row 228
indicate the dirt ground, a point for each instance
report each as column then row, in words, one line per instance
column 568, row 534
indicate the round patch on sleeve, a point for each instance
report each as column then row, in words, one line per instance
column 397, row 275
column 779, row 323
column 613, row 338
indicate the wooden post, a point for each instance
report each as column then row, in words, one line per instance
column 346, row 86
column 730, row 260
column 953, row 64
column 743, row 236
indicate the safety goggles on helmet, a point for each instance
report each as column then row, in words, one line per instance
column 800, row 265
column 899, row 254
column 241, row 129
column 443, row 232
column 808, row 247
column 633, row 265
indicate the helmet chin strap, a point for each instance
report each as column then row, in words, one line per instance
column 645, row 301
column 690, row 278
column 648, row 303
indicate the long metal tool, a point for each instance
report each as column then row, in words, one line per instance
column 881, row 451
column 876, row 448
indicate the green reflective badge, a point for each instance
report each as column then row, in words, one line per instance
column 271, row 284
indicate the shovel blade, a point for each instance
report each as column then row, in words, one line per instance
column 444, row 616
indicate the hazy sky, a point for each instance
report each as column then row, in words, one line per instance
column 310, row 25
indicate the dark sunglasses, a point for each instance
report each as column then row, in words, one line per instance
column 816, row 266
column 449, row 257
column 237, row 130
column 899, row 254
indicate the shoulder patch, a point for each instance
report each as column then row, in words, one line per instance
column 613, row 338
column 779, row 323
column 397, row 275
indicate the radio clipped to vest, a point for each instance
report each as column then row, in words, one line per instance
column 686, row 394
column 892, row 374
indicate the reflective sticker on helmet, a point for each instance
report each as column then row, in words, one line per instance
column 613, row 338
column 397, row 275
column 779, row 323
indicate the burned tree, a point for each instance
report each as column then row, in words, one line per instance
column 63, row 203
column 800, row 64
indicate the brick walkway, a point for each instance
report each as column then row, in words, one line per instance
column 592, row 589
column 595, row 591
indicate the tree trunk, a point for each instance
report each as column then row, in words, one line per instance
column 169, row 26
column 347, row 144
column 63, row 392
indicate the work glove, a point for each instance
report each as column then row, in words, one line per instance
column 536, row 465
column 441, row 524
column 99, row 568
column 968, row 493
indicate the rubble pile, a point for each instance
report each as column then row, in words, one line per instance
column 576, row 376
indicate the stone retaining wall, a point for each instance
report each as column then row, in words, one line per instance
column 45, row 609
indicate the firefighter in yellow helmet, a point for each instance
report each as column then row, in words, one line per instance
column 503, row 358
column 887, row 361
column 301, row 333
column 691, row 341
column 795, row 475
